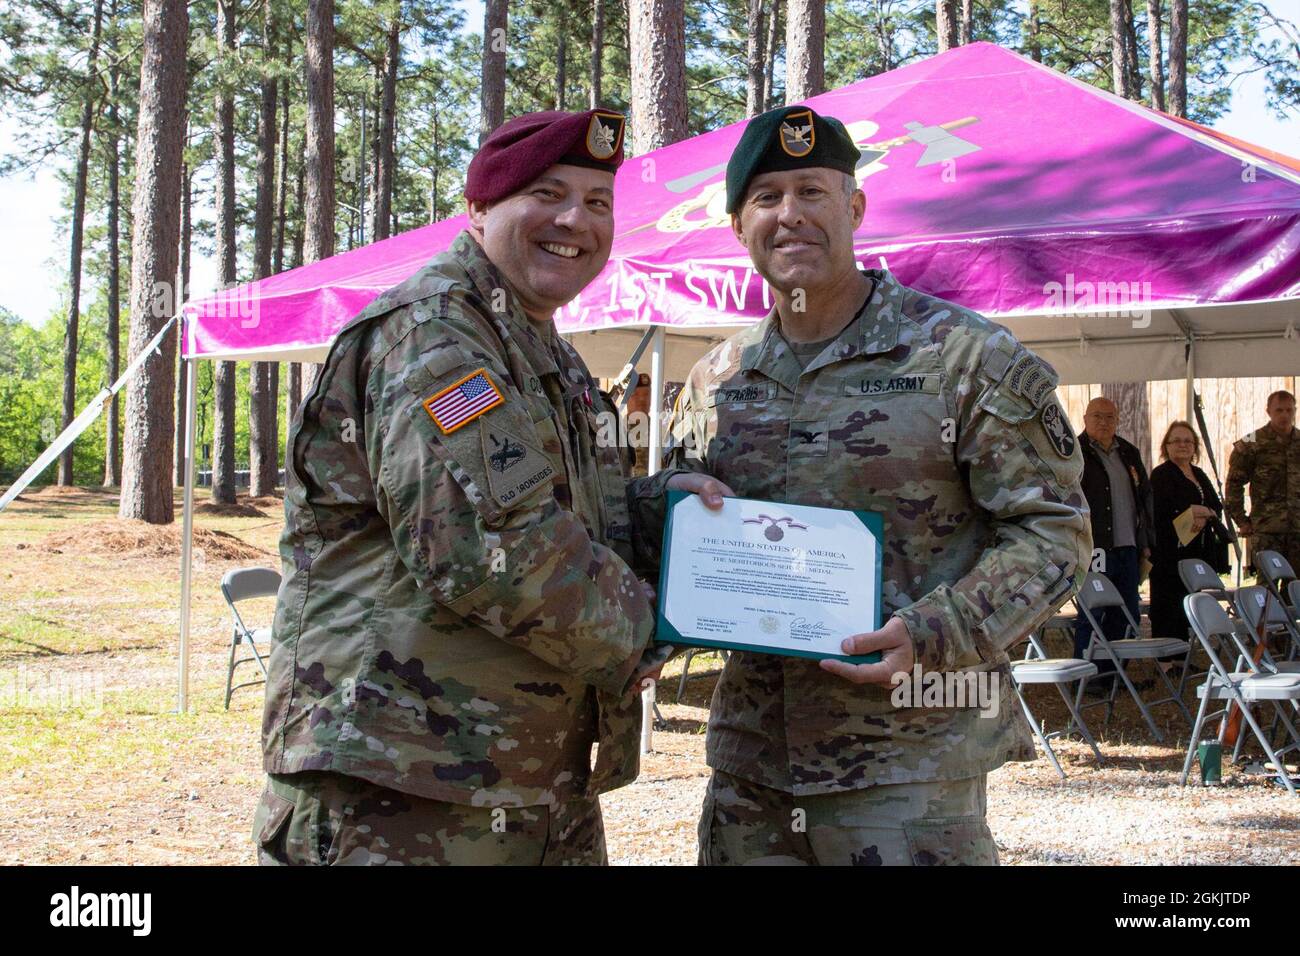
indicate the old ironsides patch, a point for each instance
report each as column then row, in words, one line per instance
column 516, row 469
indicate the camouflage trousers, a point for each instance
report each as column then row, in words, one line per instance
column 319, row 818
column 1287, row 545
column 903, row 824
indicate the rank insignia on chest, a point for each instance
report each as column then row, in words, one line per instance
column 463, row 401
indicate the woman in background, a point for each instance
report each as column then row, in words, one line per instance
column 1177, row 485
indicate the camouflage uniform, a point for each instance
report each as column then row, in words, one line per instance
column 1270, row 464
column 940, row 420
column 458, row 620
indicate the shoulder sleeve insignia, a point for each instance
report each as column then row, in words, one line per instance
column 463, row 401
column 1058, row 430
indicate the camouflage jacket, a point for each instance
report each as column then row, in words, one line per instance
column 1271, row 466
column 458, row 619
column 940, row 420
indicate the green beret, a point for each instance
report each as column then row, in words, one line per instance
column 791, row 137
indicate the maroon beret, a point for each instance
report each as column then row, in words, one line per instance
column 519, row 151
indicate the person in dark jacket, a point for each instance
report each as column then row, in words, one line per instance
column 1176, row 486
column 1119, row 499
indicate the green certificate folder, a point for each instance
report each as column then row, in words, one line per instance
column 769, row 578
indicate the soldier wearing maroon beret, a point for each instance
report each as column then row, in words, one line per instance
column 459, row 622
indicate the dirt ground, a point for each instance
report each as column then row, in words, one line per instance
column 96, row 765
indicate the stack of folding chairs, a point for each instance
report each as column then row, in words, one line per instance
column 1249, row 637
column 1251, row 640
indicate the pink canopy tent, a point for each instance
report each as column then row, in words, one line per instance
column 993, row 181
column 1118, row 242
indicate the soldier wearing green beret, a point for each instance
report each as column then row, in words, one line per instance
column 858, row 392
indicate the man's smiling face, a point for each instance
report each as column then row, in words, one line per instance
column 798, row 226
column 551, row 238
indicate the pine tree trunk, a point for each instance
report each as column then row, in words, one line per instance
column 223, row 426
column 492, row 105
column 386, row 149
column 945, row 24
column 1177, row 91
column 1156, row 59
column 1132, row 60
column 112, row 360
column 963, row 36
column 561, row 60
column 597, row 50
column 78, row 236
column 657, row 33
column 263, row 450
column 756, row 53
column 769, row 68
column 1134, row 408
column 318, row 242
column 300, row 216
column 146, row 465
column 1035, row 26
column 282, row 173
column 805, row 43
column 1119, row 72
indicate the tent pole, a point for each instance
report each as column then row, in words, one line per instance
column 1191, row 379
column 654, row 460
column 187, row 536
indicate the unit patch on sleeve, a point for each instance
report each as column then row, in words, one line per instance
column 515, row 468
column 1058, row 430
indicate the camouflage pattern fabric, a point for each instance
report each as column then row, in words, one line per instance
column 458, row 620
column 942, row 421
column 940, row 823
column 328, row 819
column 1270, row 464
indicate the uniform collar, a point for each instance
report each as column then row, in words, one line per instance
column 515, row 323
column 873, row 331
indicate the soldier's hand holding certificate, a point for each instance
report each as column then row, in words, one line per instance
column 768, row 577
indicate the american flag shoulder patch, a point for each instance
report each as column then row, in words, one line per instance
column 463, row 401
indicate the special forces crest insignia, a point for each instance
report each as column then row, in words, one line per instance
column 797, row 135
column 1058, row 430
column 604, row 134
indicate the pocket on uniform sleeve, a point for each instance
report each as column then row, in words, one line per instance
column 950, row 841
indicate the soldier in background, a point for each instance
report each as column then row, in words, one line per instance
column 458, row 622
column 857, row 392
column 1268, row 460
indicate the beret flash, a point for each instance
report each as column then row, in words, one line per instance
column 790, row 137
column 520, row 150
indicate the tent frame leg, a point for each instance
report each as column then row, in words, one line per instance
column 187, row 539
column 655, row 462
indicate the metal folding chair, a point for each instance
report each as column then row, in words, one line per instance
column 1199, row 578
column 1255, row 684
column 1261, row 617
column 1276, row 571
column 1041, row 669
column 686, row 666
column 1098, row 594
column 244, row 584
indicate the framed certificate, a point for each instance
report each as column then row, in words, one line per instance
column 771, row 578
